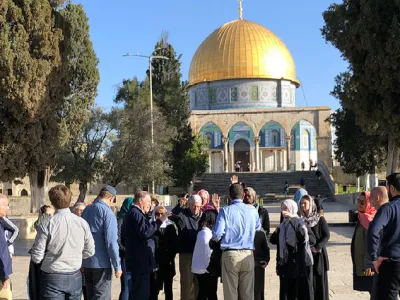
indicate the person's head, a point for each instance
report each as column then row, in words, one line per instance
column 125, row 207
column 363, row 201
column 159, row 211
column 289, row 208
column 143, row 200
column 43, row 209
column 60, row 196
column 306, row 204
column 154, row 203
column 249, row 195
column 393, row 185
column 379, row 196
column 195, row 204
column 236, row 191
column 205, row 197
column 208, row 219
column 108, row 194
column 318, row 203
column 3, row 205
column 79, row 208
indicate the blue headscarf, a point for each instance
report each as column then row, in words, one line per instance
column 125, row 208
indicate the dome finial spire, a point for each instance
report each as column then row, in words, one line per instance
column 240, row 9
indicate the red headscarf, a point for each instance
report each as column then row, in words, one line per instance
column 366, row 217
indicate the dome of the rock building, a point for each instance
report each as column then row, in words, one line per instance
column 242, row 49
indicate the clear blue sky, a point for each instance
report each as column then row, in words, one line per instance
column 122, row 26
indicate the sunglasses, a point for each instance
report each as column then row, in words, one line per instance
column 362, row 202
column 159, row 214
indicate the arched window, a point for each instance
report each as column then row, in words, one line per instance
column 209, row 137
column 275, row 139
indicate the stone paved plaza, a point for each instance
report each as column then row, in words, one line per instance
column 340, row 274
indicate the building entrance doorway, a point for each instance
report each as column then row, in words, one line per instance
column 242, row 156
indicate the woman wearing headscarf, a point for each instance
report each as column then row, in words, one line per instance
column 363, row 270
column 314, row 220
column 294, row 257
column 166, row 240
column 205, row 200
column 126, row 276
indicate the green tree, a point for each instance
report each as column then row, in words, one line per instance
column 81, row 160
column 170, row 94
column 364, row 153
column 37, row 108
column 132, row 158
column 367, row 33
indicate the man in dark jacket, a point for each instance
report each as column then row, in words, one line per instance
column 138, row 239
column 187, row 222
column 384, row 233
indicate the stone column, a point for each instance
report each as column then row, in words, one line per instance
column 287, row 152
column 232, row 152
column 275, row 160
column 257, row 150
column 226, row 159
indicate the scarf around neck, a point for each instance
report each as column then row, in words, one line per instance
column 312, row 217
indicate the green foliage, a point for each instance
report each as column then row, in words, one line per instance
column 170, row 94
column 133, row 159
column 357, row 152
column 367, row 33
column 48, row 81
column 194, row 162
column 81, row 160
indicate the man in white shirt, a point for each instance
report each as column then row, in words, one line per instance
column 61, row 243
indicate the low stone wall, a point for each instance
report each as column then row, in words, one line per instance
column 347, row 198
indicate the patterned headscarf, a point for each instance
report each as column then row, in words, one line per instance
column 312, row 217
column 366, row 217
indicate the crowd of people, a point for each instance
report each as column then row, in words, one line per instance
column 78, row 250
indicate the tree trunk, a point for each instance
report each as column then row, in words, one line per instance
column 393, row 157
column 38, row 181
column 82, row 192
column 373, row 180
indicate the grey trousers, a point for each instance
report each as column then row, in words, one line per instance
column 98, row 283
column 238, row 274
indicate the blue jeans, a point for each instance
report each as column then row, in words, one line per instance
column 98, row 283
column 61, row 286
column 125, row 278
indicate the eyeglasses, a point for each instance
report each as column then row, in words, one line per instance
column 362, row 202
column 159, row 214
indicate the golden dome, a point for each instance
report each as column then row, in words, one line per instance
column 242, row 49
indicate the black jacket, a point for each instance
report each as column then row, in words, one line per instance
column 322, row 235
column 262, row 251
column 166, row 240
column 187, row 230
column 296, row 262
column 264, row 219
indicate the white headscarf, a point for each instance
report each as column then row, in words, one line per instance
column 287, row 234
column 153, row 217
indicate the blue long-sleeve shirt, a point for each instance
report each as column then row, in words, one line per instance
column 104, row 228
column 5, row 258
column 236, row 226
column 384, row 232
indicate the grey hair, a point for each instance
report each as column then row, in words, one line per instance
column 79, row 204
column 195, row 198
column 140, row 195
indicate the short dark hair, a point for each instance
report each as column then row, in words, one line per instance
column 140, row 195
column 208, row 219
column 60, row 196
column 236, row 191
column 394, row 179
